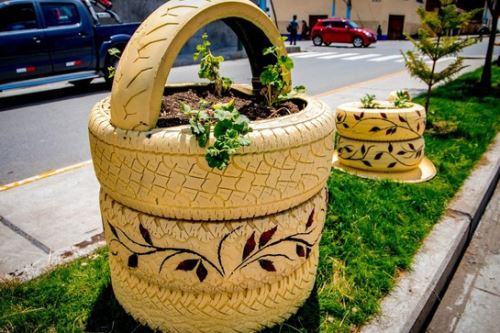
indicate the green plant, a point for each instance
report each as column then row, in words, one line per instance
column 274, row 86
column 368, row 102
column 210, row 66
column 229, row 128
column 435, row 42
column 403, row 99
column 114, row 53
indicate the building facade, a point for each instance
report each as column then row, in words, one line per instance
column 394, row 16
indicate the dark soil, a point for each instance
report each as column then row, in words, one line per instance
column 171, row 112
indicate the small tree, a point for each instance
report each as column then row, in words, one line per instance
column 494, row 8
column 435, row 41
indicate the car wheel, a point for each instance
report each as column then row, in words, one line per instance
column 357, row 42
column 317, row 41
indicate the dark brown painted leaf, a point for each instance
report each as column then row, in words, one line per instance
column 412, row 147
column 349, row 150
column 401, row 119
column 266, row 236
column 267, row 265
column 357, row 117
column 379, row 155
column 201, row 272
column 345, row 125
column 383, row 115
column 375, row 129
column 300, row 250
column 133, row 260
column 401, row 152
column 390, row 148
column 341, row 150
column 308, row 252
column 419, row 114
column 363, row 149
column 362, row 115
column 367, row 163
column 145, row 234
column 310, row 220
column 392, row 165
column 249, row 246
column 418, row 127
column 339, row 117
column 388, row 132
column 113, row 230
column 187, row 265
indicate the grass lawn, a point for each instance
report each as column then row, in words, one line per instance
column 372, row 232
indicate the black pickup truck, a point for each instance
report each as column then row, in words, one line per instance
column 46, row 41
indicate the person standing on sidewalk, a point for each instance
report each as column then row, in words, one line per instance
column 292, row 28
column 304, row 31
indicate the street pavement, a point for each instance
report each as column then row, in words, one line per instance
column 55, row 217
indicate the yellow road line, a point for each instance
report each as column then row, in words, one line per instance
column 44, row 175
column 349, row 86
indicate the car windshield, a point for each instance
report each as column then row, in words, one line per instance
column 353, row 25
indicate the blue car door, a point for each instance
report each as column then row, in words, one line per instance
column 70, row 36
column 23, row 48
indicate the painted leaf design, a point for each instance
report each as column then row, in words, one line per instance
column 379, row 155
column 201, row 272
column 419, row 114
column 310, row 220
column 390, row 148
column 113, row 230
column 308, row 252
column 133, row 260
column 300, row 250
column 418, row 127
column 267, row 265
column 187, row 265
column 389, row 131
column 357, row 117
column 401, row 119
column 266, row 236
column 339, row 117
column 412, row 147
column 383, row 115
column 375, row 129
column 391, row 165
column 362, row 115
column 401, row 152
column 341, row 150
column 345, row 125
column 249, row 246
column 349, row 150
column 145, row 234
column 367, row 163
column 363, row 149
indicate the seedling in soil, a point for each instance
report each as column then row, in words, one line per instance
column 229, row 128
column 402, row 100
column 368, row 102
column 210, row 66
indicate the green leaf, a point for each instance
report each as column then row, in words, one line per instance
column 222, row 127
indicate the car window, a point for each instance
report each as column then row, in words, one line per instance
column 353, row 25
column 326, row 23
column 18, row 17
column 57, row 14
column 338, row 24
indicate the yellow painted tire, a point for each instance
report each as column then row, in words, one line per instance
column 163, row 172
column 381, row 156
column 385, row 125
column 152, row 50
column 191, row 276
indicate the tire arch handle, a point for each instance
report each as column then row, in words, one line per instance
column 149, row 56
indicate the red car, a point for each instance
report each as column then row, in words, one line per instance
column 338, row 30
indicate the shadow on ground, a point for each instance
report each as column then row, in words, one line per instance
column 108, row 316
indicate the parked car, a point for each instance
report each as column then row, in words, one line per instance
column 46, row 41
column 339, row 30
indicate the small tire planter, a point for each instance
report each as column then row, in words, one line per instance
column 382, row 142
column 196, row 249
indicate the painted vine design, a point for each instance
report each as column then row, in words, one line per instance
column 351, row 153
column 200, row 264
column 392, row 126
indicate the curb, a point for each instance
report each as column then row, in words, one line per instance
column 408, row 307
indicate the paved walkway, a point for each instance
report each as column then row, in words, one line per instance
column 472, row 300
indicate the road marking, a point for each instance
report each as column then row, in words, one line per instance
column 313, row 54
column 44, row 175
column 363, row 56
column 391, row 57
column 338, row 55
column 336, row 90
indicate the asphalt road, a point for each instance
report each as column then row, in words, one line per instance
column 45, row 128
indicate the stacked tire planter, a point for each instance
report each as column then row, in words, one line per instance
column 385, row 142
column 195, row 249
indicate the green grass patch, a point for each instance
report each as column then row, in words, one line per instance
column 372, row 232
